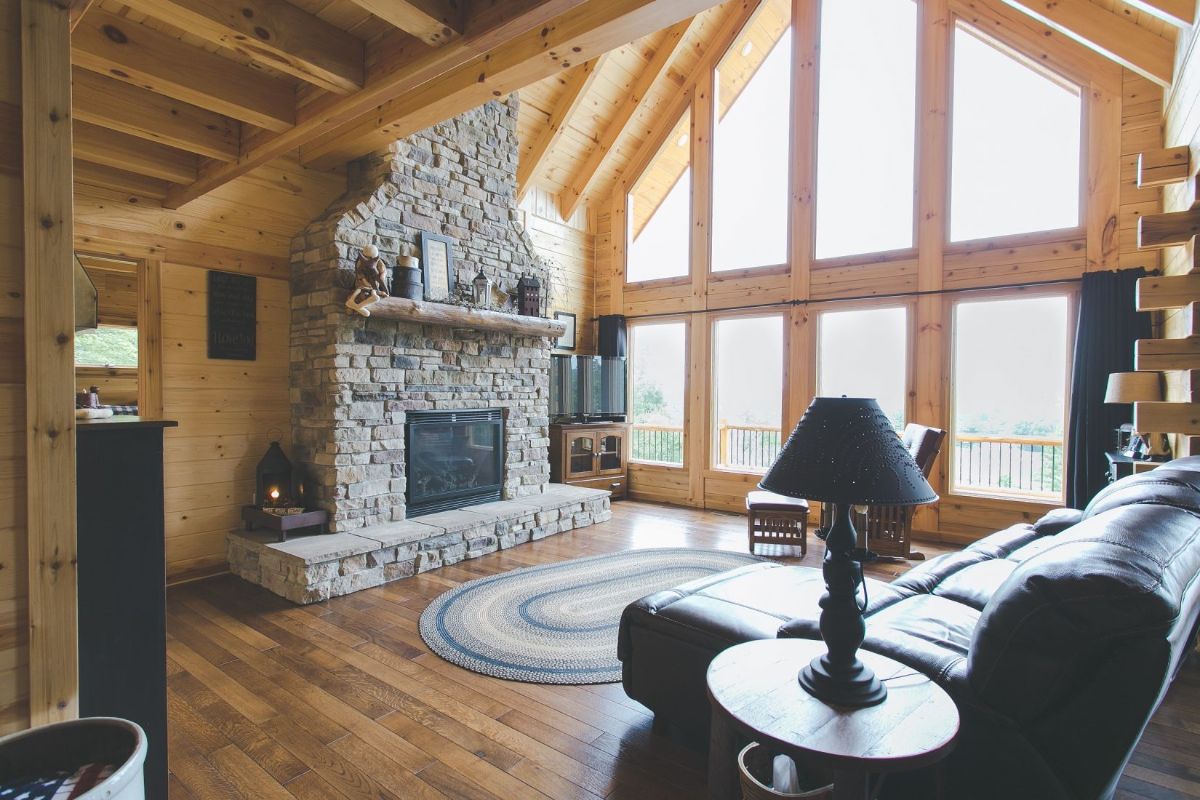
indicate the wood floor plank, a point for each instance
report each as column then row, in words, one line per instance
column 343, row 700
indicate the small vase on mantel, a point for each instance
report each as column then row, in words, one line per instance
column 406, row 278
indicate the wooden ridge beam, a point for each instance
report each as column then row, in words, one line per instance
column 577, row 185
column 435, row 22
column 1180, row 13
column 578, row 80
column 397, row 69
column 119, row 150
column 154, row 117
column 273, row 33
column 114, row 46
column 1165, row 417
column 1164, row 167
column 574, row 37
column 1160, row 292
column 1108, row 33
column 1168, row 229
column 1160, row 355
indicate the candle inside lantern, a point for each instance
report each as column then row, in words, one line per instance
column 274, row 495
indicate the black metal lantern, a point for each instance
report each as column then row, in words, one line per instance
column 302, row 488
column 529, row 296
column 273, row 479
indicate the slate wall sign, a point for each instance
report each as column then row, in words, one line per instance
column 232, row 304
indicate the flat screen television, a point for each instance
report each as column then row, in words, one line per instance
column 587, row 388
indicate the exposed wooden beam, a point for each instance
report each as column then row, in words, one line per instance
column 1108, row 33
column 78, row 9
column 1159, row 355
column 87, row 173
column 577, row 185
column 114, row 46
column 1180, row 13
column 435, row 22
column 273, row 33
column 157, row 118
column 572, row 38
column 522, row 41
column 119, row 150
column 49, row 362
column 578, row 80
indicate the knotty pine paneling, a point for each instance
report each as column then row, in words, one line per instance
column 570, row 249
column 117, row 385
column 228, row 412
column 14, row 654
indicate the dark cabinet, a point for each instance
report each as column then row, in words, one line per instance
column 122, row 581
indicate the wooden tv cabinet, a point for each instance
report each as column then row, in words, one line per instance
column 591, row 454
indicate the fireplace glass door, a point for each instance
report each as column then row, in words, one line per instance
column 454, row 459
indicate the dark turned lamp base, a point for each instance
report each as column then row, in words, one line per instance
column 839, row 678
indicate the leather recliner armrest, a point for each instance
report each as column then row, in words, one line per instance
column 1058, row 521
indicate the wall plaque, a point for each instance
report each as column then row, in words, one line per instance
column 232, row 304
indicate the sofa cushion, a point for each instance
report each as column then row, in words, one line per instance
column 1073, row 597
column 1175, row 484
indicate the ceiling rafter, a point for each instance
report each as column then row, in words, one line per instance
column 578, row 80
column 511, row 45
column 129, row 153
column 585, row 33
column 272, row 33
column 1109, row 34
column 112, row 45
column 664, row 52
column 1180, row 13
column 435, row 22
column 139, row 112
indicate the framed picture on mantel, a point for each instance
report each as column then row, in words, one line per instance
column 567, row 340
column 437, row 256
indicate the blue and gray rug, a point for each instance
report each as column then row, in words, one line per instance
column 557, row 623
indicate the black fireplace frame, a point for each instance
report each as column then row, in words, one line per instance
column 448, row 501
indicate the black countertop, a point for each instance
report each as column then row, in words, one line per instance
column 122, row 422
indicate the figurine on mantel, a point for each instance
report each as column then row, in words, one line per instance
column 370, row 281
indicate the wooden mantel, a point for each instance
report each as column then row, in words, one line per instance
column 464, row 317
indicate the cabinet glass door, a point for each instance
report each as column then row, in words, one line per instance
column 581, row 455
column 611, row 452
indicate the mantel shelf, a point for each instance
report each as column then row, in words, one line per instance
column 464, row 317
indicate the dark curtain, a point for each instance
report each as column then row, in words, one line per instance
column 1108, row 327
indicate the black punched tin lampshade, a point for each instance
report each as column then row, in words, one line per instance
column 844, row 450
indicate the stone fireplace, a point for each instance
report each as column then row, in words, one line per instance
column 381, row 402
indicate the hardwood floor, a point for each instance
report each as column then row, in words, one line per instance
column 343, row 700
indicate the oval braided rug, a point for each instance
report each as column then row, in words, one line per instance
column 557, row 623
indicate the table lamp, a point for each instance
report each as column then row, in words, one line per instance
column 1136, row 387
column 845, row 452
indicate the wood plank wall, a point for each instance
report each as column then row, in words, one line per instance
column 1121, row 121
column 228, row 412
column 570, row 248
column 14, row 654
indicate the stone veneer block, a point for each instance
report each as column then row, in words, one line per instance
column 310, row 569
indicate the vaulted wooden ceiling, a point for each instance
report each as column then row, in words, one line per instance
column 175, row 99
column 582, row 127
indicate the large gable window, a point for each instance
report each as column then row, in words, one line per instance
column 1017, row 134
column 866, row 127
column 660, row 211
column 750, row 143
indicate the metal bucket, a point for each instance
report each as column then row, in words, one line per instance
column 67, row 746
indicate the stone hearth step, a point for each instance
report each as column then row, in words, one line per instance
column 308, row 569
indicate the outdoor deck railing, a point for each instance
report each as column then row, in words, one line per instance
column 750, row 447
column 1029, row 465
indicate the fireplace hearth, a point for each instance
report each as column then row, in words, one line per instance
column 455, row 459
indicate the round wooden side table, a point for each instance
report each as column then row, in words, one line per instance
column 755, row 697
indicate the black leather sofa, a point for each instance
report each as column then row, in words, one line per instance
column 1057, row 640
